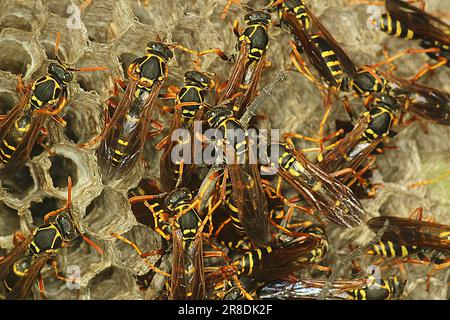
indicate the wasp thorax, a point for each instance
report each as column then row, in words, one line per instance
column 60, row 73
column 257, row 17
column 198, row 79
column 177, row 197
column 159, row 49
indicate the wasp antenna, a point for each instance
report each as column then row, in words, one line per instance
column 69, row 192
column 88, row 69
column 58, row 37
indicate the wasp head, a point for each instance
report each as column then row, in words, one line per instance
column 66, row 226
column 60, row 72
column 217, row 115
column 198, row 79
column 159, row 49
column 257, row 17
column 176, row 197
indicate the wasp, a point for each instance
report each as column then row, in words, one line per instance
column 186, row 230
column 404, row 20
column 189, row 106
column 46, row 96
column 41, row 247
column 312, row 38
column 124, row 136
column 326, row 194
column 358, row 289
column 247, row 202
column 253, row 43
column 405, row 237
column 424, row 101
column 265, row 263
column 187, row 279
column 354, row 149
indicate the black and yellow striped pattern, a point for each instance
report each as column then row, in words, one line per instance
column 384, row 289
column 330, row 57
column 394, row 27
column 390, row 249
column 246, row 263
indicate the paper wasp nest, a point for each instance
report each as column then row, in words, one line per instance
column 112, row 33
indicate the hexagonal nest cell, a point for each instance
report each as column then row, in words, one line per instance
column 112, row 33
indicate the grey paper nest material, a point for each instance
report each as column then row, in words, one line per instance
column 112, row 34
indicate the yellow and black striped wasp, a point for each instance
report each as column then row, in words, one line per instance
column 358, row 289
column 125, row 134
column 352, row 151
column 189, row 107
column 404, row 20
column 21, row 127
column 264, row 264
column 323, row 192
column 425, row 101
column 253, row 43
column 247, row 200
column 186, row 278
column 405, row 237
column 41, row 247
column 312, row 38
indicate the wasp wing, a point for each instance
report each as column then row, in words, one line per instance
column 419, row 21
column 237, row 73
column 133, row 132
column 412, row 232
column 312, row 52
column 347, row 64
column 14, row 255
column 329, row 196
column 23, row 286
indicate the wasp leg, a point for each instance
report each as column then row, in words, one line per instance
column 429, row 67
column 59, row 106
column 20, row 85
column 85, row 4
column 57, row 274
column 223, row 15
column 43, row 135
column 348, row 108
column 41, row 287
column 107, row 119
column 301, row 67
column 171, row 93
column 247, row 295
column 402, row 53
column 430, row 181
column 357, row 174
column 18, row 237
column 216, row 51
column 163, row 143
column 141, row 254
